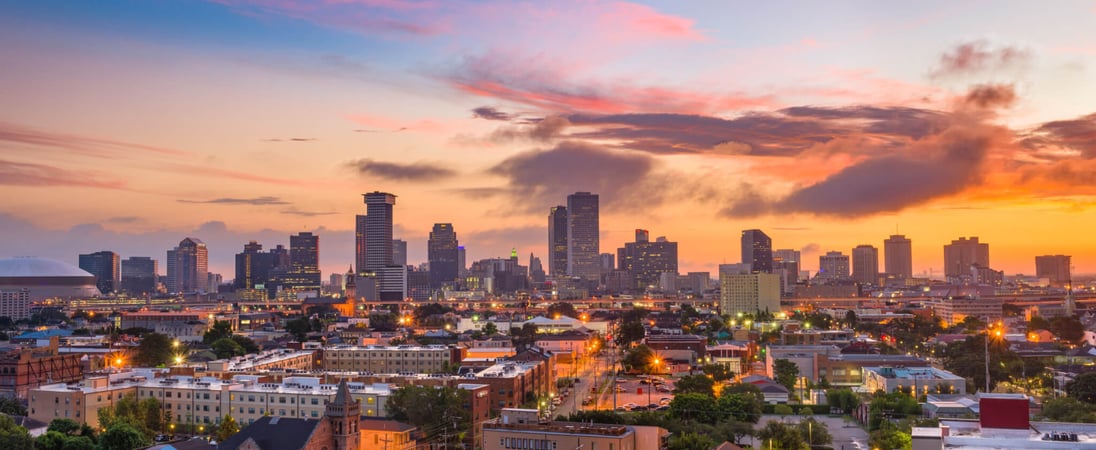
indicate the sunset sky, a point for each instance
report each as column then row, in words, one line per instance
column 129, row 125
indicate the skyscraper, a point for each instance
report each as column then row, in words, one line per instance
column 789, row 261
column 557, row 241
column 646, row 261
column 378, row 230
column 360, row 251
column 441, row 251
column 898, row 256
column 139, row 275
column 833, row 266
column 462, row 261
column 253, row 266
column 188, row 267
column 583, row 236
column 106, row 266
column 963, row 253
column 1054, row 268
column 865, row 264
column 757, row 251
column 399, row 252
column 304, row 262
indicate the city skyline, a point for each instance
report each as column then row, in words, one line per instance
column 133, row 125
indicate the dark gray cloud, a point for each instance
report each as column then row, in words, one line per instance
column 256, row 201
column 125, row 219
column 991, row 96
column 490, row 113
column 417, row 171
column 538, row 179
column 297, row 212
column 981, row 57
column 1077, row 134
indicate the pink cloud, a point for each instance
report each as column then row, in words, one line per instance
column 13, row 173
column 395, row 125
column 643, row 20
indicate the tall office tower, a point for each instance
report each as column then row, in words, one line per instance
column 608, row 262
column 536, row 269
column 441, row 251
column 757, row 251
column 748, row 293
column 583, row 236
column 252, row 266
column 788, row 260
column 359, row 242
column 646, row 261
column 898, row 256
column 213, row 281
column 865, row 264
column 399, row 252
column 188, row 267
column 833, row 266
column 963, row 253
column 106, row 266
column 642, row 235
column 462, row 262
column 1054, row 268
column 337, row 281
column 139, row 275
column 557, row 241
column 378, row 230
column 304, row 263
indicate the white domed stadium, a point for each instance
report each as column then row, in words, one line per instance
column 45, row 278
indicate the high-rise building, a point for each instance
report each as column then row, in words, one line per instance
column 188, row 267
column 898, row 256
column 106, row 266
column 304, row 263
column 833, row 266
column 253, row 266
column 748, row 293
column 557, row 241
column 865, row 264
column 583, row 236
column 1054, row 268
column 441, row 251
column 462, row 261
column 360, row 247
column 646, row 261
column 376, row 232
column 536, row 269
column 139, row 275
column 757, row 251
column 963, row 253
column 788, row 261
column 399, row 252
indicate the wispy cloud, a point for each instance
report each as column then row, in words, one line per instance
column 981, row 57
column 256, row 201
column 297, row 212
column 76, row 144
column 13, row 173
column 417, row 171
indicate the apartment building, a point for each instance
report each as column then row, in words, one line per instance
column 390, row 359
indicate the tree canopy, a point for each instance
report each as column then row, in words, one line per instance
column 786, row 373
column 155, row 350
column 430, row 408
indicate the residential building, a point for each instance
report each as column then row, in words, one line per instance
column 749, row 293
column 833, row 267
column 15, row 304
column 583, row 236
column 106, row 267
column 1055, row 268
column 954, row 309
column 390, row 359
column 963, row 253
column 520, row 429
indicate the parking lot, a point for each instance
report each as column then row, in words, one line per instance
column 634, row 394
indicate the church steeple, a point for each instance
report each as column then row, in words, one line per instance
column 344, row 414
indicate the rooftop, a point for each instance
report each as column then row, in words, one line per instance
column 913, row 373
column 27, row 266
column 563, row 427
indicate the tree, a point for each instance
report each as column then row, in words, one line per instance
column 690, row 441
column 889, row 439
column 850, row 319
column 696, row 384
column 1069, row 329
column 221, row 329
column 227, row 428
column 718, row 372
column 1083, row 387
column 12, row 406
column 786, row 373
column 693, row 406
column 1066, row 409
column 783, row 410
column 562, row 309
column 121, row 436
column 638, row 358
column 227, row 348
column 630, row 332
column 778, row 435
column 733, row 430
column 741, row 407
column 842, row 399
column 64, row 426
column 817, row 433
column 299, row 328
column 51, row 440
column 14, row 437
column 155, row 350
column 383, row 321
column 145, row 416
column 886, row 405
column 430, row 408
column 78, row 443
column 490, row 329
column 246, row 343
